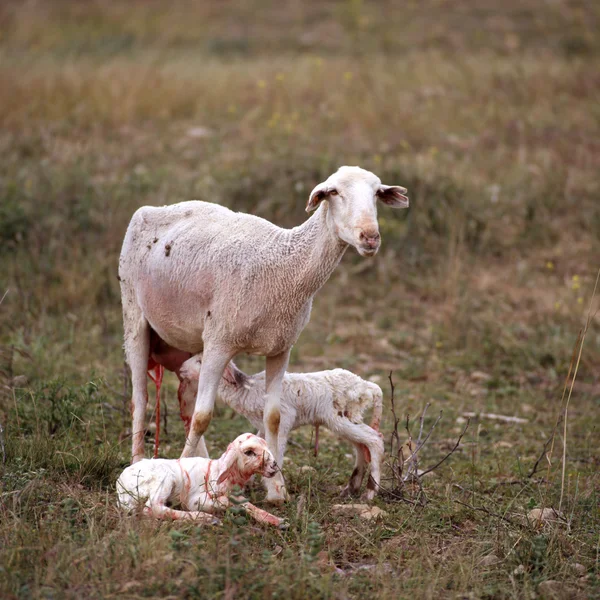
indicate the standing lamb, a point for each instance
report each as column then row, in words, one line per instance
column 335, row 399
column 201, row 278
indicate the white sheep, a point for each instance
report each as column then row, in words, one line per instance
column 197, row 277
column 335, row 399
column 199, row 485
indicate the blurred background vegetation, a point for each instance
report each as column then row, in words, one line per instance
column 487, row 112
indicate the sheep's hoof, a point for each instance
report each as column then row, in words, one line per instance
column 283, row 525
column 278, row 499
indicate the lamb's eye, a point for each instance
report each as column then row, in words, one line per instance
column 250, row 453
column 333, row 193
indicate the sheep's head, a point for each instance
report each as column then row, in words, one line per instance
column 352, row 194
column 246, row 455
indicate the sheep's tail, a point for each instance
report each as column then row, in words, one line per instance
column 377, row 409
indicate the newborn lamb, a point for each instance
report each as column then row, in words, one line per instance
column 200, row 486
column 335, row 399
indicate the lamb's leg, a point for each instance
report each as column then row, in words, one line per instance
column 258, row 514
column 213, row 363
column 353, row 486
column 160, row 511
column 363, row 437
column 137, row 350
column 276, row 366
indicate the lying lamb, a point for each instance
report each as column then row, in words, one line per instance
column 200, row 485
column 335, row 399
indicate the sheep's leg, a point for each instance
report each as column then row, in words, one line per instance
column 137, row 350
column 186, row 410
column 364, row 438
column 213, row 365
column 276, row 366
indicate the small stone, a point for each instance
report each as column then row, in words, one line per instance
column 460, row 420
column 544, row 515
column 503, row 444
column 20, row 381
column 200, row 132
column 551, row 589
column 489, row 560
column 364, row 511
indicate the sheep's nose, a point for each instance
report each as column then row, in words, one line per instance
column 370, row 238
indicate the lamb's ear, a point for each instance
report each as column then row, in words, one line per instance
column 229, row 458
column 393, row 195
column 223, row 476
column 317, row 196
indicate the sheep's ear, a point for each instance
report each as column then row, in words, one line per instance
column 393, row 195
column 317, row 196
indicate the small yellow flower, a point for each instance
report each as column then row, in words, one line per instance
column 232, row 109
column 557, row 305
column 439, row 344
column 550, row 265
column 580, row 300
column 348, row 76
column 377, row 158
column 261, row 83
column 575, row 277
column 576, row 285
column 279, row 77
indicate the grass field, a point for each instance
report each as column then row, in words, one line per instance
column 487, row 112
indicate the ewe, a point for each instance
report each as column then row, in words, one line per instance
column 335, row 399
column 205, row 279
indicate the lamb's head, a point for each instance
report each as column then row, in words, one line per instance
column 189, row 372
column 352, row 194
column 246, row 455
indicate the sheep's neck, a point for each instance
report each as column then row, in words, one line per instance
column 317, row 251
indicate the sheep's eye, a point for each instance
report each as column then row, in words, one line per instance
column 250, row 453
column 333, row 193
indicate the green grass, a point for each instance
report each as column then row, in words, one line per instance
column 488, row 115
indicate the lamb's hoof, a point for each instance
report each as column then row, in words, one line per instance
column 368, row 496
column 348, row 492
column 283, row 525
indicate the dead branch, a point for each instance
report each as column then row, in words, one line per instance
column 2, row 445
column 545, row 450
column 460, row 437
column 495, row 417
column 489, row 512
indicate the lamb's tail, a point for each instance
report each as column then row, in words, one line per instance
column 377, row 408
